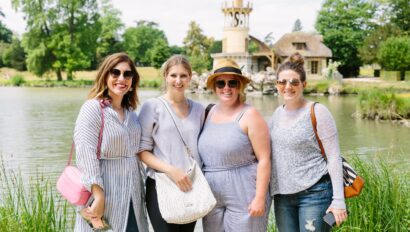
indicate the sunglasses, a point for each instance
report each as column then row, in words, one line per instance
column 292, row 82
column 220, row 84
column 116, row 73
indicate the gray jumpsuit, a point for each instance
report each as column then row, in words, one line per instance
column 230, row 168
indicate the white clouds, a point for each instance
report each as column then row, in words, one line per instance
column 173, row 16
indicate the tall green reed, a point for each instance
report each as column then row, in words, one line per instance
column 383, row 205
column 31, row 205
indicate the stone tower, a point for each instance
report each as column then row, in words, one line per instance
column 236, row 34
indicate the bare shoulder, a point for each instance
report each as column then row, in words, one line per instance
column 253, row 117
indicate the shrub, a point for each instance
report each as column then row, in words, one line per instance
column 17, row 80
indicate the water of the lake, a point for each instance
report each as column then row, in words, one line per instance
column 36, row 126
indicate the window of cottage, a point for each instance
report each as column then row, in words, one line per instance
column 314, row 67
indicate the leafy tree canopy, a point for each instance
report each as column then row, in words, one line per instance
column 344, row 24
column 394, row 53
column 139, row 40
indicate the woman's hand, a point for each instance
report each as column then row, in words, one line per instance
column 339, row 214
column 96, row 209
column 180, row 178
column 257, row 207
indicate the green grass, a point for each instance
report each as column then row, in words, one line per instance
column 31, row 205
column 383, row 205
column 379, row 104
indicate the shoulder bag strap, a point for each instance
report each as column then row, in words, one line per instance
column 102, row 106
column 314, row 125
column 175, row 123
column 207, row 110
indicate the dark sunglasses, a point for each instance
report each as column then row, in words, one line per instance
column 220, row 84
column 116, row 73
column 292, row 82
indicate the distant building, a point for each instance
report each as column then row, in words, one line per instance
column 309, row 45
column 254, row 55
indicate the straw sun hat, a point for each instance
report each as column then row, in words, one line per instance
column 226, row 66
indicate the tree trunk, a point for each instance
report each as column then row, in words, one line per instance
column 59, row 76
column 69, row 75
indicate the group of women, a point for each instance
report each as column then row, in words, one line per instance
column 245, row 161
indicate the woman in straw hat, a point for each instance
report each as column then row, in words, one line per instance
column 303, row 184
column 161, row 147
column 235, row 150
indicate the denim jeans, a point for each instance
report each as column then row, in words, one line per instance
column 304, row 211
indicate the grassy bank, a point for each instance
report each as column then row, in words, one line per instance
column 150, row 78
column 384, row 204
column 382, row 104
column 352, row 86
column 31, row 205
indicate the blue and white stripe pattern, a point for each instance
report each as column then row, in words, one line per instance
column 118, row 170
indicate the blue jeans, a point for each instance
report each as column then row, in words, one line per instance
column 304, row 211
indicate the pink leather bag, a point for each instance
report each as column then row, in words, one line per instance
column 69, row 183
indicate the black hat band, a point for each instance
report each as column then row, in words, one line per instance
column 228, row 69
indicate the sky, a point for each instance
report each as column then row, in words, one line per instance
column 173, row 16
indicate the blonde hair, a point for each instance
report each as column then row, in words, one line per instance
column 100, row 88
column 176, row 60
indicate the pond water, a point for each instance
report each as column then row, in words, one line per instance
column 36, row 126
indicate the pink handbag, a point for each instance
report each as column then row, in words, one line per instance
column 69, row 183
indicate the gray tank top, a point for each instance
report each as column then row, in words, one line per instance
column 224, row 146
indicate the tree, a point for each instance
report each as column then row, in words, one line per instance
column 394, row 54
column 197, row 47
column 174, row 49
column 368, row 51
column 400, row 11
column 140, row 39
column 5, row 33
column 108, row 40
column 268, row 40
column 61, row 34
column 297, row 26
column 344, row 24
column 216, row 47
column 14, row 56
column 159, row 53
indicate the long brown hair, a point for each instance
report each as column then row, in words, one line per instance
column 100, row 89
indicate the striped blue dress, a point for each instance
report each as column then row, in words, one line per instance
column 118, row 170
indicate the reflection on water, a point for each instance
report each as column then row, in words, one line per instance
column 36, row 126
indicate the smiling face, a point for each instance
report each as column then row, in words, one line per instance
column 119, row 80
column 229, row 92
column 289, row 85
column 177, row 78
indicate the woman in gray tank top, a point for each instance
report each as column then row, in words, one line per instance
column 305, row 187
column 235, row 151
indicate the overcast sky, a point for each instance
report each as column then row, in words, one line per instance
column 173, row 16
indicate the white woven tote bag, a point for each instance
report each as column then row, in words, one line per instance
column 184, row 207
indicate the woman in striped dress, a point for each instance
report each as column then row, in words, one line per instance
column 114, row 180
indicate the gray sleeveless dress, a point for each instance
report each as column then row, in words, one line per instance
column 230, row 168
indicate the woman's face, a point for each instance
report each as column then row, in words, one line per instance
column 120, row 80
column 177, row 79
column 289, row 85
column 227, row 88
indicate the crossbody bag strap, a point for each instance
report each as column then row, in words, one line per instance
column 102, row 106
column 314, row 125
column 175, row 123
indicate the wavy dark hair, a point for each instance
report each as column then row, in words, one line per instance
column 100, row 89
